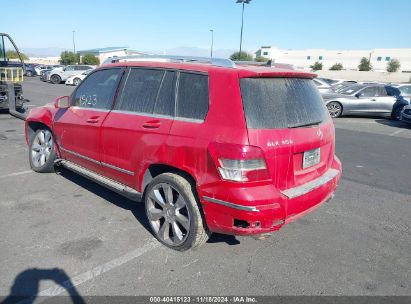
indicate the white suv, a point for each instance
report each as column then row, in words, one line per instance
column 61, row 75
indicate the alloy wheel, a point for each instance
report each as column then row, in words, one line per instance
column 168, row 214
column 76, row 81
column 334, row 108
column 41, row 148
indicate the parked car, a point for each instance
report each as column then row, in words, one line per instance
column 40, row 68
column 29, row 70
column 360, row 99
column 45, row 73
column 76, row 79
column 405, row 90
column 61, row 74
column 406, row 114
column 400, row 103
column 323, row 86
column 260, row 155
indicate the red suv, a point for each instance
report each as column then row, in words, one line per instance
column 209, row 146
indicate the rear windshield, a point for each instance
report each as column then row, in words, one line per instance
column 279, row 103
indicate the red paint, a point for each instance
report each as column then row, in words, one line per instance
column 134, row 142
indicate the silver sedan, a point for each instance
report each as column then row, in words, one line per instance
column 361, row 100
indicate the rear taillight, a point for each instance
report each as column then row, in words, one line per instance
column 239, row 163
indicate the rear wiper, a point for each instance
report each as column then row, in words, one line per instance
column 304, row 124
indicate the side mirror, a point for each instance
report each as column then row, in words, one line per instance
column 358, row 95
column 62, row 102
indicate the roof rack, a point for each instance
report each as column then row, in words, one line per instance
column 165, row 58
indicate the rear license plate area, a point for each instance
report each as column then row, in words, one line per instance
column 311, row 158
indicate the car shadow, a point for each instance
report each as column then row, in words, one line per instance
column 25, row 288
column 394, row 123
column 223, row 238
column 136, row 208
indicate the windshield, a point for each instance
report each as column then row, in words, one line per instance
column 278, row 103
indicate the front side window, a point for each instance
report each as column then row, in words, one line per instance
column 98, row 90
column 193, row 96
column 69, row 68
column 278, row 103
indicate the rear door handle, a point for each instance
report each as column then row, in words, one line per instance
column 94, row 119
column 152, row 124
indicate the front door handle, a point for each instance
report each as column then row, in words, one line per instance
column 152, row 124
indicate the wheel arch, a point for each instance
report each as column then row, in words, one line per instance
column 154, row 170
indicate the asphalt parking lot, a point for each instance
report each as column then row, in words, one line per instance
column 61, row 230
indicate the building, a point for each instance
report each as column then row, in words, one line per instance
column 350, row 59
column 106, row 52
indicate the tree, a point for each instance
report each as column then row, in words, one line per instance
column 10, row 54
column 261, row 59
column 90, row 59
column 317, row 66
column 67, row 57
column 337, row 67
column 365, row 65
column 244, row 56
column 393, row 66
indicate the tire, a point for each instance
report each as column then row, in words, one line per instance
column 56, row 79
column 396, row 113
column 335, row 109
column 174, row 213
column 29, row 73
column 42, row 151
column 76, row 81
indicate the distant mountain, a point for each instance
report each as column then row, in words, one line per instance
column 196, row 51
column 43, row 52
column 183, row 50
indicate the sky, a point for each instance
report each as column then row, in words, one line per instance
column 162, row 26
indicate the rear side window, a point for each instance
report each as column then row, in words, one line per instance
column 165, row 99
column 370, row 92
column 140, row 91
column 97, row 91
column 192, row 100
column 278, row 103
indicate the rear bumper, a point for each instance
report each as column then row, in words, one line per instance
column 263, row 209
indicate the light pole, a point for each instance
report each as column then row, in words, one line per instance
column 243, row 2
column 212, row 43
column 74, row 44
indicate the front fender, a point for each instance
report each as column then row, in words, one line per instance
column 41, row 115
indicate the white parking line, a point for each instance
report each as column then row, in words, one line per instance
column 57, row 289
column 396, row 132
column 16, row 173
